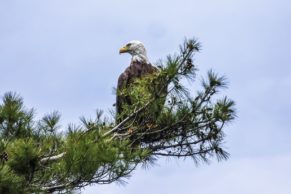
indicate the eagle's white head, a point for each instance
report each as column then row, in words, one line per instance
column 136, row 49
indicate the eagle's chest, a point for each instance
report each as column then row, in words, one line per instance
column 137, row 71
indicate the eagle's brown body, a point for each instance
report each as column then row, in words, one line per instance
column 136, row 70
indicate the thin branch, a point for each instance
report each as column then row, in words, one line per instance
column 52, row 158
column 117, row 127
column 183, row 155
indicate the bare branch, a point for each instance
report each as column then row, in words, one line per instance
column 52, row 158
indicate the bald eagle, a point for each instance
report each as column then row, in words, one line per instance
column 138, row 68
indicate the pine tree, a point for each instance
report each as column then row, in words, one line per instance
column 36, row 158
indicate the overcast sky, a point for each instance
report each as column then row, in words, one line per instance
column 63, row 55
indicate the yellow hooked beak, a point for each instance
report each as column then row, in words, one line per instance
column 123, row 50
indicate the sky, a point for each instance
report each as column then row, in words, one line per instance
column 63, row 55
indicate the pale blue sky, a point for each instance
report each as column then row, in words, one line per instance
column 63, row 55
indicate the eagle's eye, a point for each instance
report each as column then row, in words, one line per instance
column 128, row 45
